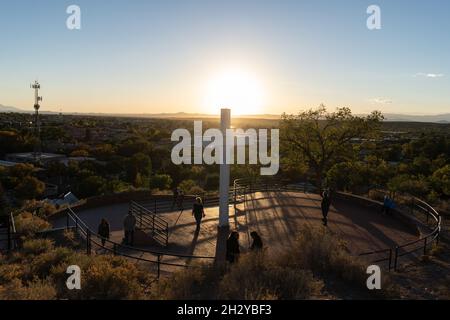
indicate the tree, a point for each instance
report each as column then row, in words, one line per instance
column 79, row 153
column 139, row 163
column 441, row 180
column 91, row 186
column 21, row 170
column 212, row 181
column 161, row 181
column 29, row 188
column 322, row 139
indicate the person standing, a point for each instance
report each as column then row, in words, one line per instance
column 175, row 197
column 198, row 211
column 103, row 231
column 129, row 226
column 325, row 206
column 233, row 250
column 385, row 207
column 257, row 243
column 180, row 199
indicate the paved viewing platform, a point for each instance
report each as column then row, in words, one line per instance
column 276, row 216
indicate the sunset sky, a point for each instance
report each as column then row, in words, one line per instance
column 136, row 56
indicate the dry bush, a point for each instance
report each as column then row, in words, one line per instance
column 42, row 208
column 318, row 264
column 33, row 290
column 196, row 283
column 28, row 224
column 38, row 271
column 257, row 278
column 36, row 246
column 317, row 249
column 102, row 277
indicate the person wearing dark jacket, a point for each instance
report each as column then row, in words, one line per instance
column 233, row 249
column 325, row 206
column 257, row 243
column 103, row 230
column 198, row 211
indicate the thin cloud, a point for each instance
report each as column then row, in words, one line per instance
column 429, row 75
column 381, row 101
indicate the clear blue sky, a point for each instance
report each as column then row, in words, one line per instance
column 159, row 56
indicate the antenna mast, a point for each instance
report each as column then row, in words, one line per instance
column 37, row 122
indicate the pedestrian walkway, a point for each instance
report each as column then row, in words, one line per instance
column 276, row 216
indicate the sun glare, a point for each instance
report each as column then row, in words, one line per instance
column 234, row 89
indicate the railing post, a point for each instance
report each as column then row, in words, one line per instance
column 8, row 230
column 167, row 236
column 88, row 241
column 159, row 265
column 390, row 259
column 153, row 224
column 155, row 206
column 396, row 259
column 425, row 246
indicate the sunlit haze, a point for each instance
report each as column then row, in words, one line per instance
column 251, row 56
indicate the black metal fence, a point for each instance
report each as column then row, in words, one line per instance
column 391, row 256
column 8, row 234
column 153, row 257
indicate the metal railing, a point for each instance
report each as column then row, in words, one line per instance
column 392, row 255
column 149, row 221
column 10, row 233
column 389, row 255
column 154, row 257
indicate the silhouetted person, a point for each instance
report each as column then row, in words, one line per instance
column 129, row 226
column 325, row 206
column 180, row 199
column 257, row 243
column 198, row 211
column 233, row 249
column 388, row 205
column 103, row 230
column 175, row 197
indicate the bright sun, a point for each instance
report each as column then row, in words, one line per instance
column 234, row 89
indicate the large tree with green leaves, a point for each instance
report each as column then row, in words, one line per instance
column 320, row 139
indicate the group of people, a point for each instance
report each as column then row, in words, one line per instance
column 129, row 227
column 233, row 250
column 233, row 247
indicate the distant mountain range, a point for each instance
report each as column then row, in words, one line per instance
column 440, row 118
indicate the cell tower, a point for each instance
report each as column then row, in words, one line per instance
column 37, row 122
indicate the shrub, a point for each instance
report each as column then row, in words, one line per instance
column 33, row 290
column 196, row 284
column 303, row 271
column 28, row 224
column 42, row 208
column 37, row 246
column 29, row 188
column 160, row 181
column 256, row 278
